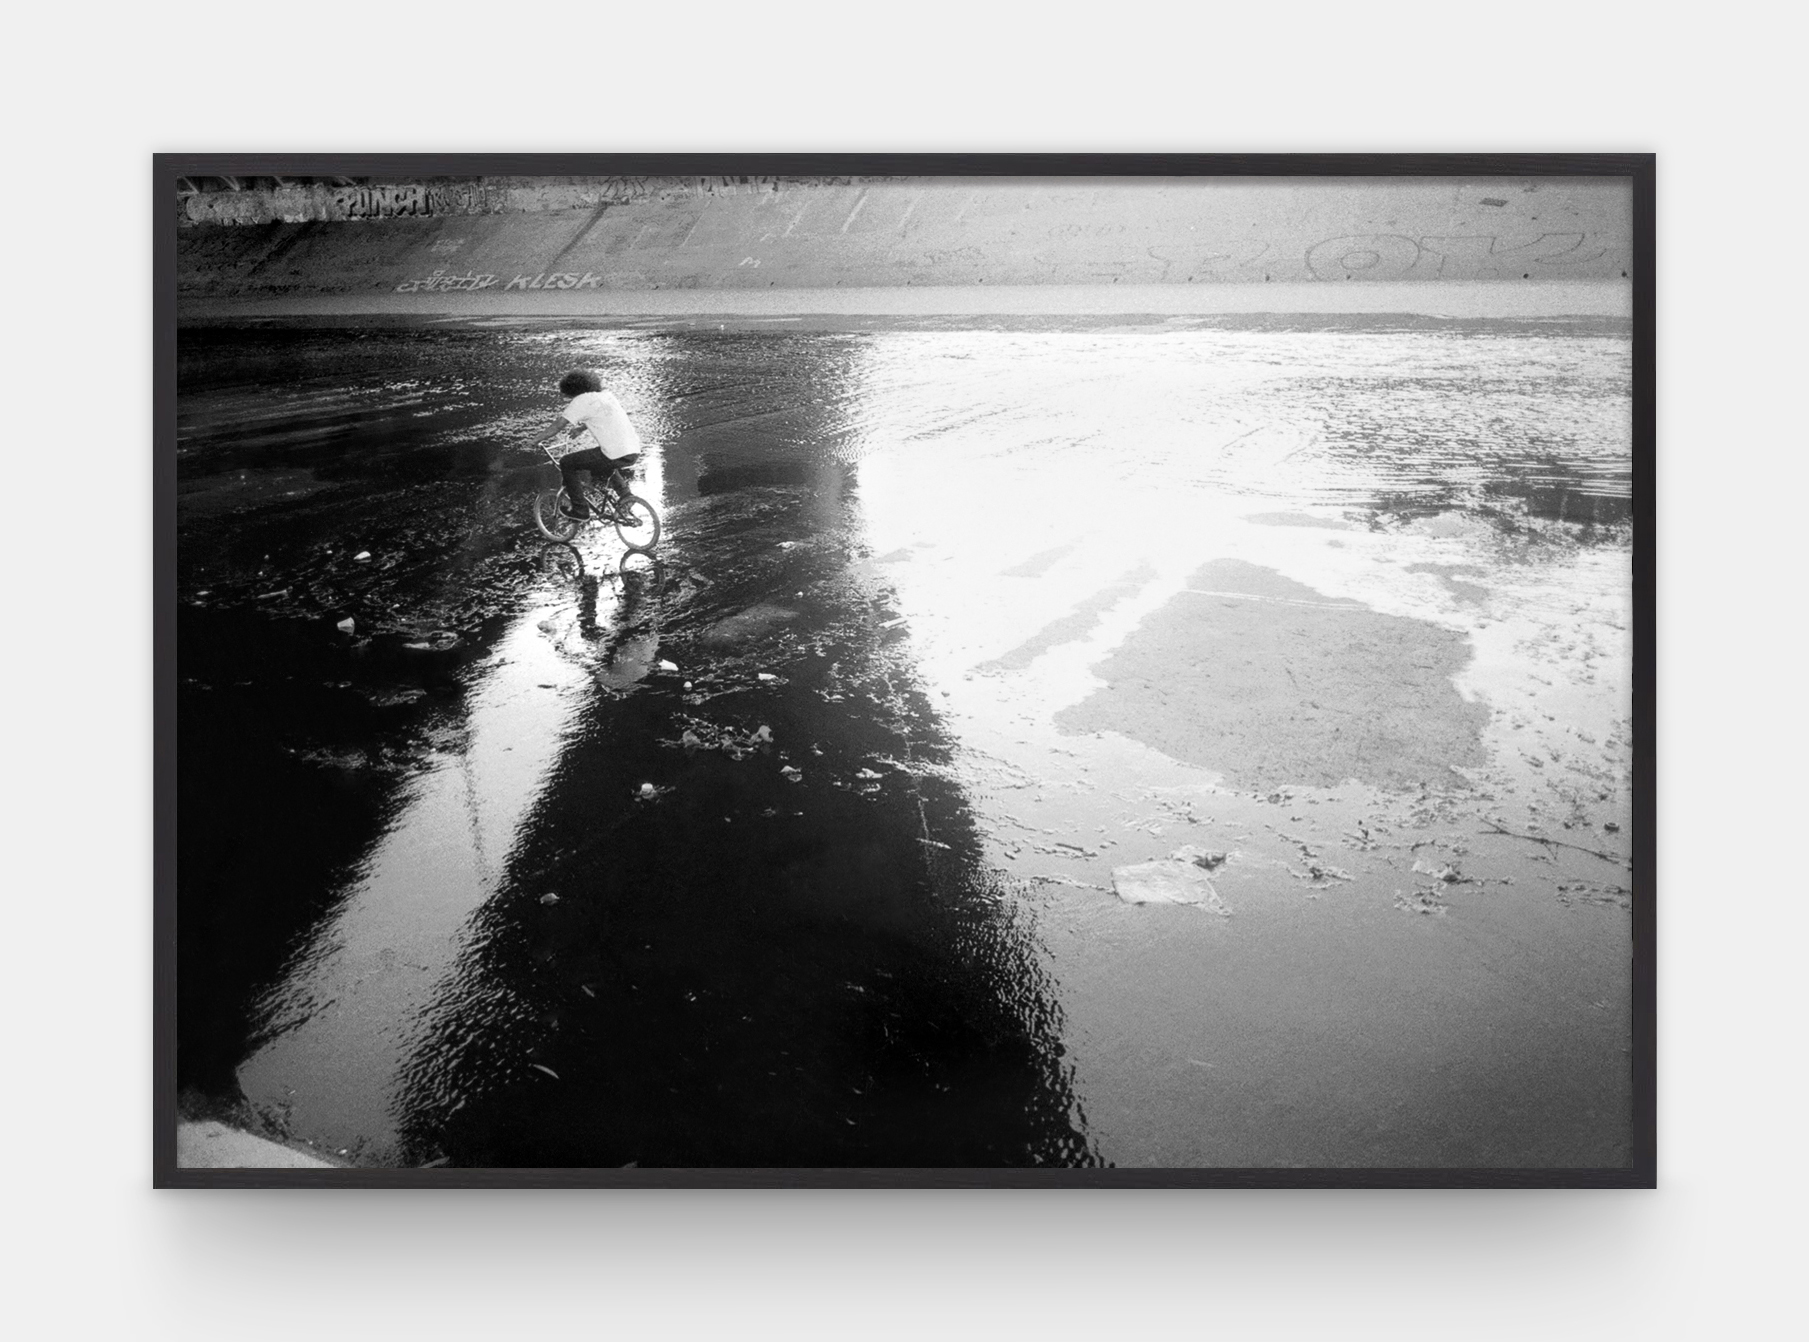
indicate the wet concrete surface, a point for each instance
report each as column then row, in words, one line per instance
column 965, row 615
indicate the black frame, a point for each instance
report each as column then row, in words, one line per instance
column 1639, row 168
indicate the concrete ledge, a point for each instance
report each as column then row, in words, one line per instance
column 1504, row 298
column 214, row 1146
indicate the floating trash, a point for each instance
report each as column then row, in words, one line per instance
column 438, row 640
column 668, row 666
column 1419, row 902
column 362, row 555
column 766, row 675
column 1179, row 878
column 346, row 625
column 1445, row 872
column 549, row 898
column 648, row 790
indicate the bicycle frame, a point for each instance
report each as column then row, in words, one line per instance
column 614, row 486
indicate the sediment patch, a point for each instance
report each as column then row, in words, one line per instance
column 1269, row 682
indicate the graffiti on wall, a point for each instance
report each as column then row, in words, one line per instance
column 440, row 282
column 558, row 280
column 317, row 202
column 1391, row 256
column 402, row 201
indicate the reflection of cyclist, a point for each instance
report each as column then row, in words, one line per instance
column 587, row 608
column 591, row 434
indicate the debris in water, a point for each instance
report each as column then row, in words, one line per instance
column 763, row 736
column 1179, row 878
column 691, row 740
column 1319, row 874
column 766, row 675
column 587, row 990
column 1590, row 892
column 668, row 666
column 440, row 640
column 362, row 555
column 1444, row 872
column 1042, row 879
column 1418, row 902
column 687, row 684
column 542, row 1067
column 791, row 774
column 346, row 625
column 549, row 898
column 648, row 790
column 1555, row 843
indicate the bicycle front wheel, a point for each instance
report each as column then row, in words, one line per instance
column 637, row 523
column 549, row 516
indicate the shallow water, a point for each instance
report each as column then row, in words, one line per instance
column 427, row 912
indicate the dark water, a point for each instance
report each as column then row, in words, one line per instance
column 426, row 911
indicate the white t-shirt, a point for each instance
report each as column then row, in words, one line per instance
column 601, row 414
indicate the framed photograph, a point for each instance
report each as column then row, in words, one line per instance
column 904, row 670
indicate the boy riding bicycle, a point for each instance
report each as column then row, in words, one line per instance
column 592, row 433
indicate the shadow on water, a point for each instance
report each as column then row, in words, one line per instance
column 749, row 966
column 598, row 915
column 715, row 949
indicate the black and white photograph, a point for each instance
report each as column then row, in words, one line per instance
column 904, row 671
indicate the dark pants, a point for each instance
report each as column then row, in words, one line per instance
column 590, row 459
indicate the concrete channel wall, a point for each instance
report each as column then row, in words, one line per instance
column 415, row 242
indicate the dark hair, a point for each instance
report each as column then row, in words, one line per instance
column 579, row 381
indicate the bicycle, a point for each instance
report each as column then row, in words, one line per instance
column 636, row 521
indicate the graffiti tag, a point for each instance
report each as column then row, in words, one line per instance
column 441, row 283
column 557, row 280
column 1390, row 256
column 398, row 202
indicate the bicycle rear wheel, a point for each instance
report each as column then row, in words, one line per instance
column 637, row 523
column 549, row 515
